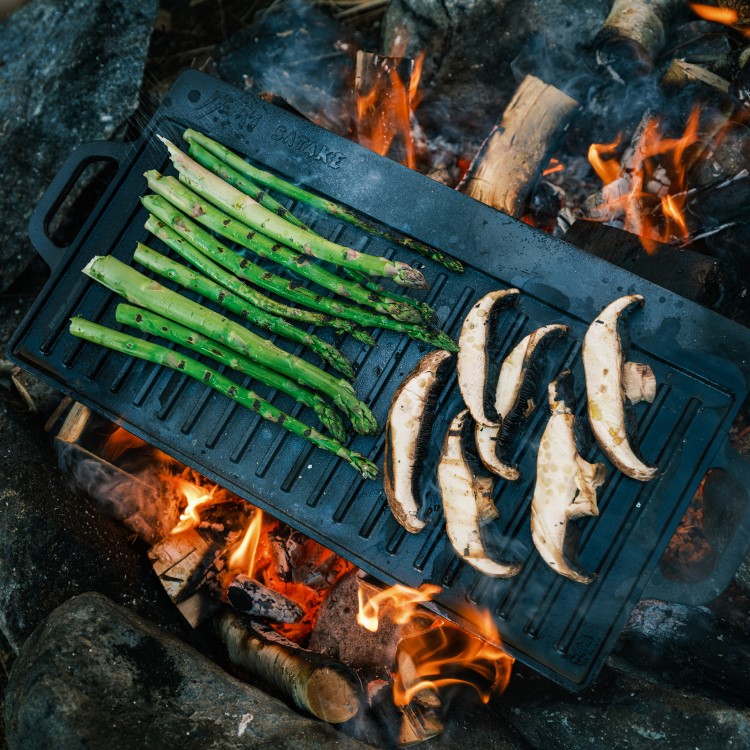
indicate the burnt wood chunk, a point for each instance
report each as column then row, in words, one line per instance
column 253, row 598
column 692, row 275
column 507, row 167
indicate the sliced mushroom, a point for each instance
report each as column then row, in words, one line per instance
column 466, row 504
column 512, row 382
column 603, row 365
column 473, row 357
column 565, row 488
column 407, row 433
column 639, row 382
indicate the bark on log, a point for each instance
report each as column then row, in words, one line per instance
column 253, row 598
column 320, row 686
column 633, row 34
column 681, row 73
column 506, row 169
column 405, row 725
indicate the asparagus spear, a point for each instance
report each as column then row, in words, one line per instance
column 245, row 269
column 184, row 198
column 160, row 355
column 190, row 279
column 272, row 182
column 152, row 295
column 156, row 325
column 243, row 208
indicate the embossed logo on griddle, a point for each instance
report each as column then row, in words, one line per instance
column 225, row 109
column 295, row 141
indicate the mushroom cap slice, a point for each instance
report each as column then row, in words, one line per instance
column 603, row 365
column 486, row 442
column 566, row 486
column 472, row 365
column 465, row 503
column 406, row 434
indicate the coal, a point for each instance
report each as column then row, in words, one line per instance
column 71, row 74
column 95, row 675
column 54, row 542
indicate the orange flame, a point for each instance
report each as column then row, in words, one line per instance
column 607, row 169
column 446, row 655
column 195, row 496
column 553, row 167
column 400, row 602
column 119, row 442
column 245, row 554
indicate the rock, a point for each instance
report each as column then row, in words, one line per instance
column 469, row 48
column 742, row 577
column 621, row 711
column 54, row 543
column 95, row 675
column 71, row 74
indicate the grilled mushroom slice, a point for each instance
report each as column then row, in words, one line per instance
column 466, row 503
column 566, row 484
column 603, row 365
column 472, row 362
column 639, row 382
column 515, row 375
column 407, row 433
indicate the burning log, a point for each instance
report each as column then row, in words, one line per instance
column 506, row 169
column 633, row 35
column 405, row 725
column 681, row 73
column 253, row 598
column 316, row 684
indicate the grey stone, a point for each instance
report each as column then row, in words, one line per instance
column 742, row 577
column 71, row 71
column 95, row 675
column 468, row 79
column 624, row 712
column 54, row 543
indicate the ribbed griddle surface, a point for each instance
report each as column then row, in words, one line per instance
column 562, row 628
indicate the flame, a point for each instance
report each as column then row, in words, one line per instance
column 607, row 169
column 195, row 496
column 446, row 655
column 726, row 16
column 118, row 443
column 245, row 554
column 399, row 601
column 554, row 167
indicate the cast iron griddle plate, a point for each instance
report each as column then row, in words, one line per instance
column 562, row 628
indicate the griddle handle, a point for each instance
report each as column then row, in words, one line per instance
column 58, row 189
column 703, row 592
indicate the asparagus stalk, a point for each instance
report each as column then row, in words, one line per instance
column 160, row 355
column 141, row 290
column 243, row 208
column 218, row 274
column 190, row 279
column 185, row 199
column 245, row 269
column 273, row 182
column 156, row 325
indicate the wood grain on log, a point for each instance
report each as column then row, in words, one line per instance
column 247, row 595
column 316, row 684
column 506, row 169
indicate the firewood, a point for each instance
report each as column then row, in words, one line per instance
column 326, row 689
column 253, row 598
column 506, row 169
column 633, row 35
column 681, row 73
column 405, row 725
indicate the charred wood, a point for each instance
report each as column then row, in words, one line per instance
column 508, row 165
column 404, row 725
column 692, row 275
column 316, row 684
column 634, row 34
column 253, row 598
column 681, row 73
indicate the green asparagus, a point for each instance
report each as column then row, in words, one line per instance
column 152, row 295
column 151, row 352
column 273, row 182
column 190, row 279
column 244, row 268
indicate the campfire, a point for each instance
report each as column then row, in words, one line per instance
column 318, row 376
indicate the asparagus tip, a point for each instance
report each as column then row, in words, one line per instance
column 411, row 277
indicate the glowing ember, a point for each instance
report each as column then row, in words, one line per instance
column 195, row 496
column 446, row 655
column 554, row 167
column 399, row 601
column 243, row 558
